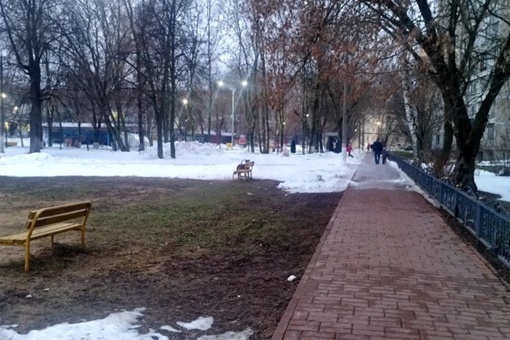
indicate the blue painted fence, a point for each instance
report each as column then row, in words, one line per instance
column 491, row 228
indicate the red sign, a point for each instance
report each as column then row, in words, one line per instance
column 242, row 140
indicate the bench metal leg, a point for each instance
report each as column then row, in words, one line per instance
column 83, row 237
column 27, row 256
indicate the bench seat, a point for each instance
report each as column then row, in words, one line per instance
column 38, row 233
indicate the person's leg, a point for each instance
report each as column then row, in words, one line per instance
column 375, row 157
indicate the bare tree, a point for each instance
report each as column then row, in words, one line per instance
column 160, row 38
column 245, row 61
column 28, row 26
column 95, row 47
column 210, row 54
column 443, row 46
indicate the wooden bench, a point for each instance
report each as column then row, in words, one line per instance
column 48, row 222
column 243, row 170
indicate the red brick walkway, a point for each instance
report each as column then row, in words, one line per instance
column 389, row 267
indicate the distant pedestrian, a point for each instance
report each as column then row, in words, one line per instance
column 349, row 150
column 377, row 147
column 368, row 147
column 384, row 154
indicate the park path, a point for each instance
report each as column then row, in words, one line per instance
column 389, row 267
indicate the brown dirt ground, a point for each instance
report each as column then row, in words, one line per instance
column 239, row 283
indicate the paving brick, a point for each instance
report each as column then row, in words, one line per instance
column 335, row 327
column 317, row 335
column 323, row 317
column 297, row 315
column 304, row 325
column 348, row 336
column 292, row 335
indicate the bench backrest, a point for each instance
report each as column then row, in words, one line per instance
column 249, row 165
column 51, row 215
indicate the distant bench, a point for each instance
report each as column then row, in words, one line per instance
column 11, row 143
column 48, row 222
column 244, row 169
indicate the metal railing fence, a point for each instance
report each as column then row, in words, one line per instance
column 491, row 228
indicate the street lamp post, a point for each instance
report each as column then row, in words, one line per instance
column 244, row 83
column 233, row 110
column 3, row 136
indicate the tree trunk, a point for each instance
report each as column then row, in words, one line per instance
column 159, row 134
column 36, row 112
column 411, row 114
column 464, row 172
column 442, row 159
column 49, row 120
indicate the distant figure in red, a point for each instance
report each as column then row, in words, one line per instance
column 368, row 147
column 349, row 150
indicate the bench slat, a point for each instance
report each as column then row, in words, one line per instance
column 60, row 209
column 45, row 220
column 241, row 171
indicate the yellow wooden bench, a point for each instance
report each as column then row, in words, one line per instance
column 244, row 170
column 48, row 222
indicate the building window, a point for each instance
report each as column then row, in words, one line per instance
column 490, row 132
column 484, row 57
column 493, row 29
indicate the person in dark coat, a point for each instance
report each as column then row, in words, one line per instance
column 377, row 147
column 384, row 155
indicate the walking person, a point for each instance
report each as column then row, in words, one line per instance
column 348, row 149
column 384, row 154
column 377, row 147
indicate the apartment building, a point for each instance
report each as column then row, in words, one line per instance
column 496, row 142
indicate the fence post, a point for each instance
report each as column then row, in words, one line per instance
column 478, row 222
column 441, row 199
column 456, row 204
